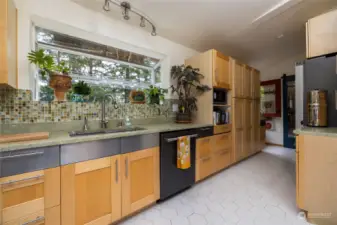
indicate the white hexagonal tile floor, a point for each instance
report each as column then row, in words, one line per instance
column 258, row 191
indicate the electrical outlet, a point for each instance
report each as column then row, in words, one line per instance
column 175, row 107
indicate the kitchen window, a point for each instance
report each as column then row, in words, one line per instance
column 106, row 69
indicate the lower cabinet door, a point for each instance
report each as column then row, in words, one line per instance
column 91, row 192
column 204, row 167
column 239, row 142
column 25, row 198
column 140, row 175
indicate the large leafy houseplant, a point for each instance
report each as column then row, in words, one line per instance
column 188, row 87
column 57, row 74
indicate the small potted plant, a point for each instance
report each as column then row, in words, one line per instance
column 57, row 74
column 155, row 94
column 188, row 88
column 80, row 91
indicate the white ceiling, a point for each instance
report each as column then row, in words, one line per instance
column 245, row 29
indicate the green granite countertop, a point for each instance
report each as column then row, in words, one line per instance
column 62, row 137
column 323, row 131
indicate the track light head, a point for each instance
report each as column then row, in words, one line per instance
column 154, row 31
column 106, row 6
column 142, row 22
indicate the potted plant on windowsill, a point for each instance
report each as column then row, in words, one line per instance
column 155, row 94
column 57, row 74
column 188, row 88
column 80, row 92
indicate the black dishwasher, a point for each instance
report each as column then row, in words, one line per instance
column 172, row 179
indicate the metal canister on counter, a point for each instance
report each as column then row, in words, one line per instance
column 317, row 105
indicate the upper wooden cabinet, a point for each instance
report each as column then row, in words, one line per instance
column 247, row 82
column 322, row 34
column 222, row 71
column 214, row 66
column 255, row 84
column 140, row 175
column 91, row 192
column 31, row 198
column 238, row 79
column 8, row 43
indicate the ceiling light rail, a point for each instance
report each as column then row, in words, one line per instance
column 126, row 9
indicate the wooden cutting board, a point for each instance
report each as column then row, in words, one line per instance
column 23, row 137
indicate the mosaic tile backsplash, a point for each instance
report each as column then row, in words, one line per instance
column 17, row 106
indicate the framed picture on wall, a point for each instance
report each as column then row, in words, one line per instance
column 271, row 98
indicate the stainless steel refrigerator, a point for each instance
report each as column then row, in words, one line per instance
column 317, row 73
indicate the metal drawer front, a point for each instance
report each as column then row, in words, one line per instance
column 28, row 160
column 135, row 143
column 85, row 151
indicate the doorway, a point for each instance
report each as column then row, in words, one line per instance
column 288, row 100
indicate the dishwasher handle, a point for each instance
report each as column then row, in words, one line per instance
column 176, row 138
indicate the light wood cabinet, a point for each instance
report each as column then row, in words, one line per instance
column 212, row 155
column 255, row 84
column 238, row 126
column 32, row 198
column 256, row 137
column 247, row 82
column 237, row 79
column 204, row 167
column 204, row 160
column 8, row 43
column 316, row 183
column 140, row 175
column 203, row 147
column 222, row 72
column 222, row 145
column 248, row 128
column 321, row 34
column 91, row 192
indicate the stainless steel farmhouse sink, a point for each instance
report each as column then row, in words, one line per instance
column 104, row 131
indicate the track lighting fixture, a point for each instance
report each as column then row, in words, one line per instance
column 126, row 9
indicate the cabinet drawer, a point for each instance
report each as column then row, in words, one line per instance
column 204, row 168
column 222, row 160
column 222, row 142
column 218, row 129
column 49, row 216
column 204, row 146
column 29, row 193
column 28, row 160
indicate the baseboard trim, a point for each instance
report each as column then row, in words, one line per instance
column 267, row 143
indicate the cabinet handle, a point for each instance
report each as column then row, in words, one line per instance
column 24, row 179
column 176, row 138
column 204, row 129
column 116, row 164
column 40, row 218
column 206, row 159
column 21, row 155
column 126, row 167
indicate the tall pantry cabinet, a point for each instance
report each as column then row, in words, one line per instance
column 245, row 110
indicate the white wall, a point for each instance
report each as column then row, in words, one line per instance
column 68, row 17
column 274, row 70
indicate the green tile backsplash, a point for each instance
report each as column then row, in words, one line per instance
column 17, row 106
